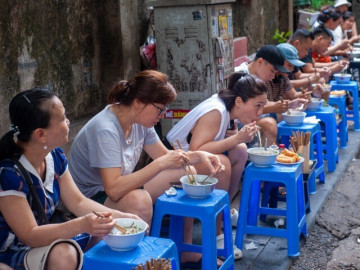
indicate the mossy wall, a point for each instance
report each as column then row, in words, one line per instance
column 76, row 48
column 257, row 20
column 50, row 44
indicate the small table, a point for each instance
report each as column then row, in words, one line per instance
column 103, row 257
column 352, row 86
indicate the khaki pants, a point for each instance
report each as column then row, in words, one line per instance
column 35, row 258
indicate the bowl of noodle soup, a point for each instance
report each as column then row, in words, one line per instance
column 135, row 231
column 261, row 157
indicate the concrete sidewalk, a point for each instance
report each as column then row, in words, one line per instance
column 271, row 252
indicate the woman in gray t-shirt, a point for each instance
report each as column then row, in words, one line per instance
column 107, row 149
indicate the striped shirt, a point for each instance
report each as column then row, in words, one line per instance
column 276, row 89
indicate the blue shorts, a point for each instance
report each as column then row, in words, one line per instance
column 272, row 115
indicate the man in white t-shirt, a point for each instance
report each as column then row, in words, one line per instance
column 268, row 61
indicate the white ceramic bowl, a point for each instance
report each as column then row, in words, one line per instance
column 342, row 78
column 294, row 118
column 261, row 158
column 326, row 87
column 315, row 104
column 354, row 53
column 198, row 191
column 129, row 241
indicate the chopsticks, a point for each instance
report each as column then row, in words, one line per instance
column 117, row 226
column 155, row 264
column 299, row 139
column 189, row 175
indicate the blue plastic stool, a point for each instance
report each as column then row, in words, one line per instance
column 284, row 133
column 292, row 178
column 271, row 197
column 102, row 257
column 351, row 86
column 340, row 103
column 206, row 210
column 327, row 116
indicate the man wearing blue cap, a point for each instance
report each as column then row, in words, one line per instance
column 281, row 95
column 291, row 61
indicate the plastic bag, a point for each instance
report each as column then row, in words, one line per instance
column 148, row 53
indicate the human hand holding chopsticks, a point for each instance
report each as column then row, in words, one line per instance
column 117, row 226
column 96, row 226
column 281, row 106
column 247, row 133
column 186, row 166
column 212, row 162
column 175, row 159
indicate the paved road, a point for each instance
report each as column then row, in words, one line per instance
column 340, row 215
column 333, row 225
column 333, row 241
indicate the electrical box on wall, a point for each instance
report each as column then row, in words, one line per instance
column 194, row 47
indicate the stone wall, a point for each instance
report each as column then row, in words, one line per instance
column 257, row 20
column 76, row 48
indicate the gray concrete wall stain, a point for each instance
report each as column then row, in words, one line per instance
column 49, row 44
column 257, row 20
column 78, row 48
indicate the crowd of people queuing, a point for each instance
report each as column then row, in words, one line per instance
column 101, row 176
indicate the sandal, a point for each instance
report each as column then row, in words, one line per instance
column 234, row 217
column 220, row 244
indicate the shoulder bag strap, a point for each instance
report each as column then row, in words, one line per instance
column 37, row 204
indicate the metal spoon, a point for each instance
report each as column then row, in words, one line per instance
column 343, row 70
column 265, row 144
column 300, row 107
column 202, row 181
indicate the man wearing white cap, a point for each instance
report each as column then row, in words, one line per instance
column 342, row 6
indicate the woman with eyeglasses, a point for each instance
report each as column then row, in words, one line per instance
column 106, row 150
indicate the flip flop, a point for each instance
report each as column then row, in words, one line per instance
column 220, row 244
column 234, row 217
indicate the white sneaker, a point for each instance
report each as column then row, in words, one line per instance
column 220, row 244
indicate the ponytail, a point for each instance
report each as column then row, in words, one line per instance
column 9, row 149
column 245, row 86
column 120, row 92
column 28, row 111
column 148, row 86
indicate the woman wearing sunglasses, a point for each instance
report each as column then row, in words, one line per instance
column 106, row 150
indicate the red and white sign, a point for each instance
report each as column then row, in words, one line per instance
column 175, row 113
